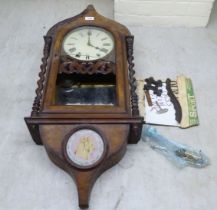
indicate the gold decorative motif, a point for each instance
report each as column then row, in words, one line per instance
column 84, row 148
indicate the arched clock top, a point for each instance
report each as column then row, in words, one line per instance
column 112, row 57
column 88, row 17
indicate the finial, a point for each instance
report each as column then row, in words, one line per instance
column 90, row 7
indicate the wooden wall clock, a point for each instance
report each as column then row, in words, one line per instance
column 86, row 108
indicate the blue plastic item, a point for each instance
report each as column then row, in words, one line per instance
column 181, row 155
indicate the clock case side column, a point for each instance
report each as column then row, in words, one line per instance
column 135, row 128
column 36, row 108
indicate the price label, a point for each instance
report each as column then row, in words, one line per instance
column 89, row 18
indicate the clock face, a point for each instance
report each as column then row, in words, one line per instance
column 88, row 43
column 85, row 147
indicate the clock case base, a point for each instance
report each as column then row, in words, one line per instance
column 51, row 134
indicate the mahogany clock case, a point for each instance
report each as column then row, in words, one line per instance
column 57, row 115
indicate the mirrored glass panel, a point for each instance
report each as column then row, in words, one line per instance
column 78, row 89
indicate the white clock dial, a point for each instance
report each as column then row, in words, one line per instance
column 88, row 43
column 85, row 147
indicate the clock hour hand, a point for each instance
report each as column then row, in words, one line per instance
column 102, row 49
column 89, row 43
column 97, row 48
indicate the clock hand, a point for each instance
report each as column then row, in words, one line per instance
column 100, row 49
column 89, row 34
column 88, row 42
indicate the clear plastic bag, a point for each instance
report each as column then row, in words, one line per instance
column 181, row 155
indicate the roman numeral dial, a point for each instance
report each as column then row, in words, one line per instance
column 88, row 43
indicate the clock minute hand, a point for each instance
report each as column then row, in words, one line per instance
column 88, row 42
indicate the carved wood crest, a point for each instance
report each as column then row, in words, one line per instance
column 69, row 66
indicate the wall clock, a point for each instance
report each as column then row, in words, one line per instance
column 86, row 108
